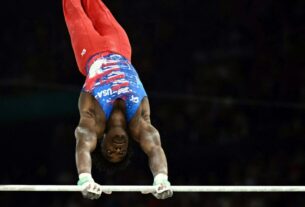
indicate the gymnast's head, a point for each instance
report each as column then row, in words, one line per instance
column 112, row 152
column 115, row 144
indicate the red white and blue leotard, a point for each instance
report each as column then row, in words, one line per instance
column 111, row 77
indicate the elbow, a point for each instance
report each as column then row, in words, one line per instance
column 150, row 142
column 82, row 133
column 85, row 140
column 153, row 147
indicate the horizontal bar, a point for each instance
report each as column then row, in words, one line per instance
column 148, row 189
column 54, row 188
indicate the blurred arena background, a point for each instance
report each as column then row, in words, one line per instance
column 229, row 102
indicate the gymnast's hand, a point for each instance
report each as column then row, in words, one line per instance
column 163, row 187
column 91, row 189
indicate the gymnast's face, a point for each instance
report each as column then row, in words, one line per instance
column 115, row 144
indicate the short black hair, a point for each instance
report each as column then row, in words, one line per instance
column 102, row 164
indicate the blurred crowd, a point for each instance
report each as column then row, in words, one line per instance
column 226, row 85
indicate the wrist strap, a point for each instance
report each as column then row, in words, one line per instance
column 82, row 175
column 84, row 178
column 160, row 176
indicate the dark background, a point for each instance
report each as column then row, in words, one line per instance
column 226, row 85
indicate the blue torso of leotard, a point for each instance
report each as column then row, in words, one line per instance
column 112, row 77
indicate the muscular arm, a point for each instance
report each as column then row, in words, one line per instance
column 85, row 133
column 149, row 139
column 150, row 143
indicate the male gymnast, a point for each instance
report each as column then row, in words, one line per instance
column 113, row 104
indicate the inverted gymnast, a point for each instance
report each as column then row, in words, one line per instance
column 113, row 104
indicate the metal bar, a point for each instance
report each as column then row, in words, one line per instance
column 147, row 189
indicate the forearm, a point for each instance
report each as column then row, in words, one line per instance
column 157, row 161
column 83, row 161
column 85, row 144
column 158, row 166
